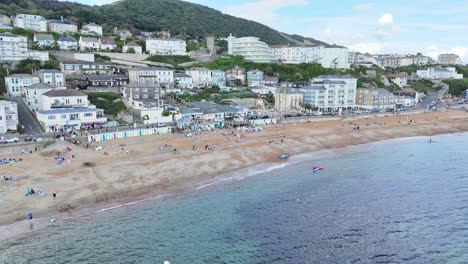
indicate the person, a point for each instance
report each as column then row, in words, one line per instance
column 32, row 191
column 30, row 216
column 54, row 195
column 430, row 140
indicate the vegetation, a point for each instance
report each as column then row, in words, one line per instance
column 457, row 87
column 19, row 31
column 215, row 95
column 423, row 86
column 173, row 60
column 111, row 103
column 101, row 58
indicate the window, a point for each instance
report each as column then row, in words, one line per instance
column 88, row 114
column 51, row 117
column 64, row 116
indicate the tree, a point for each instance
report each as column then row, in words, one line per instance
column 131, row 50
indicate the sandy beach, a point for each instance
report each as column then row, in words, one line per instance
column 146, row 166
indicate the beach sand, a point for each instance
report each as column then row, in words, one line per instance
column 142, row 168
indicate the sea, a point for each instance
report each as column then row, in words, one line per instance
column 395, row 201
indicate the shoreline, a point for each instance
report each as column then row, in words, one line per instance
column 257, row 154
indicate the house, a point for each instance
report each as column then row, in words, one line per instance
column 52, row 77
column 5, row 20
column 62, row 26
column 142, row 95
column 31, row 22
column 254, row 78
column 251, row 48
column 15, row 83
column 63, row 109
column 329, row 56
column 448, row 59
column 211, row 111
column 33, row 95
column 375, row 98
column 406, row 98
column 44, row 40
column 270, row 81
column 218, row 78
column 106, row 80
column 132, row 47
column 8, row 116
column 86, row 43
column 78, row 67
column 264, row 90
column 107, row 44
column 15, row 48
column 201, row 76
column 183, row 80
column 157, row 75
column 435, row 73
column 288, row 99
column 157, row 46
column 67, row 43
column 236, row 73
column 92, row 29
column 124, row 34
column 400, row 79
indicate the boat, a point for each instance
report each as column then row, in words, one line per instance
column 317, row 168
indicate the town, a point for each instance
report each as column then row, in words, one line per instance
column 61, row 77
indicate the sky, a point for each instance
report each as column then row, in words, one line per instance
column 398, row 26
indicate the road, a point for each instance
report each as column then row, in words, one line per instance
column 27, row 119
column 434, row 98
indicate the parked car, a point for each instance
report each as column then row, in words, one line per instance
column 29, row 139
column 317, row 113
column 9, row 140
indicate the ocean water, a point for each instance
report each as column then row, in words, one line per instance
column 398, row 201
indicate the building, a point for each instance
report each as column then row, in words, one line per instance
column 288, row 99
column 183, row 80
column 157, row 46
column 106, row 80
column 270, row 81
column 375, row 99
column 33, row 95
column 44, row 40
column 331, row 56
column 156, row 75
column 210, row 44
column 78, row 67
column 62, row 26
column 142, row 95
column 132, row 47
column 236, row 73
column 31, row 22
column 448, row 59
column 361, row 59
column 123, row 34
column 15, row 48
column 400, row 79
column 63, row 109
column 5, row 21
column 8, row 116
column 395, row 61
column 15, row 83
column 86, row 43
column 201, row 76
column 251, row 48
column 254, row 78
column 439, row 73
column 67, row 43
column 218, row 78
column 92, row 29
column 52, row 77
column 107, row 44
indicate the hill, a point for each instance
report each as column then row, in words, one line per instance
column 177, row 16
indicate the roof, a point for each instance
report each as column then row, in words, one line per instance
column 63, row 93
column 48, row 71
column 44, row 37
column 271, row 79
column 281, row 90
column 107, row 41
column 8, row 34
column 166, row 39
column 84, row 62
column 397, row 75
column 347, row 76
column 19, row 75
column 132, row 44
column 207, row 107
column 88, row 39
column 316, row 87
column 198, row 69
column 106, row 77
column 333, row 82
column 69, row 111
column 39, row 86
column 67, row 39
column 142, row 85
column 59, row 21
column 181, row 74
column 151, row 69
column 188, row 111
column 254, row 71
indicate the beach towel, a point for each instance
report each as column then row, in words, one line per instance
column 59, row 162
column 69, row 149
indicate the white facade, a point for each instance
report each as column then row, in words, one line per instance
column 92, row 29
column 31, row 22
column 8, row 116
column 51, row 77
column 400, row 79
column 107, row 43
column 158, row 46
column 67, row 43
column 44, row 40
column 16, row 83
column 251, row 48
column 88, row 43
column 62, row 26
column 448, row 59
column 151, row 75
column 328, row 57
column 15, row 48
column 201, row 76
column 183, row 80
column 33, row 95
column 132, row 45
column 439, row 73
column 63, row 119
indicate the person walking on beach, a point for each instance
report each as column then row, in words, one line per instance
column 54, row 195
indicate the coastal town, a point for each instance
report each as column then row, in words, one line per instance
column 80, row 98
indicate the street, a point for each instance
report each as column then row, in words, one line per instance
column 27, row 119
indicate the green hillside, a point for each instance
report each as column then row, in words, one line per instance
column 177, row 16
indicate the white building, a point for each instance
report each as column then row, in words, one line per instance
column 62, row 26
column 31, row 22
column 8, row 116
column 44, row 40
column 361, row 59
column 439, row 73
column 236, row 73
column 51, row 77
column 400, row 79
column 218, row 78
column 251, row 48
column 79, row 67
column 201, row 76
column 288, row 99
column 15, row 48
column 151, row 75
column 448, row 59
column 331, row 92
column 157, row 46
column 107, row 43
column 132, row 46
column 183, row 80
column 67, row 43
column 335, row 57
column 86, row 43
column 33, row 95
column 91, row 29
column 16, row 83
column 254, row 78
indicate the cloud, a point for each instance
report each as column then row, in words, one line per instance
column 386, row 26
column 364, row 7
column 372, row 48
column 263, row 11
column 434, row 51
